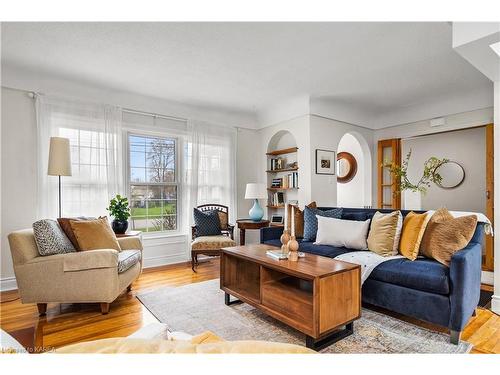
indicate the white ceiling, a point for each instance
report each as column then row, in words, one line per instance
column 378, row 68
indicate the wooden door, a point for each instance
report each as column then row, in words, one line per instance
column 488, row 255
column 389, row 150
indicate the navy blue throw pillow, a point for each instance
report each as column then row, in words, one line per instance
column 311, row 221
column 207, row 223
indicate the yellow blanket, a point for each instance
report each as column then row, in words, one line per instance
column 202, row 344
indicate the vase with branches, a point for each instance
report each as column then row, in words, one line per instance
column 429, row 175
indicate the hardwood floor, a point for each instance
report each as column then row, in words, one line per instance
column 71, row 323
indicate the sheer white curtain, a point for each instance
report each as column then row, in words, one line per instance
column 210, row 173
column 95, row 136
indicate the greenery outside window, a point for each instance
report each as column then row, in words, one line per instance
column 153, row 183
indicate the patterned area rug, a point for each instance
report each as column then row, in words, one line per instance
column 199, row 307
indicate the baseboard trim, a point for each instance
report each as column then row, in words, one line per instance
column 164, row 260
column 495, row 304
column 487, row 277
column 8, row 283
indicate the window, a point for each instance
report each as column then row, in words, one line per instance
column 153, row 183
column 87, row 186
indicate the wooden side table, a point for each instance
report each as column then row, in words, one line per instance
column 131, row 233
column 244, row 224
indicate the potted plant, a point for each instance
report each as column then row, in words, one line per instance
column 120, row 210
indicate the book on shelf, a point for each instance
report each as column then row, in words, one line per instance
column 290, row 181
column 277, row 199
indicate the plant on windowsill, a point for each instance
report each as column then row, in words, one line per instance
column 120, row 210
column 429, row 175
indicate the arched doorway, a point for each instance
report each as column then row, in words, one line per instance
column 356, row 191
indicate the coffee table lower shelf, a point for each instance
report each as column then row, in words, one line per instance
column 317, row 296
column 311, row 342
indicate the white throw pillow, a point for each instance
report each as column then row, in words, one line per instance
column 342, row 233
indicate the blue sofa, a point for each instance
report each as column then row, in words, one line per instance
column 424, row 289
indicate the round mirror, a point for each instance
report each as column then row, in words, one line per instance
column 452, row 175
column 346, row 167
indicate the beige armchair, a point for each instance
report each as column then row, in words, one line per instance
column 79, row 277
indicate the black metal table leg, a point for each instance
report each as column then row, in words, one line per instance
column 323, row 342
column 227, row 299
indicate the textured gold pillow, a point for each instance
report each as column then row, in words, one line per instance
column 411, row 236
column 94, row 234
column 385, row 231
column 299, row 219
column 445, row 235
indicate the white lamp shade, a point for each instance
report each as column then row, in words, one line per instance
column 59, row 157
column 255, row 191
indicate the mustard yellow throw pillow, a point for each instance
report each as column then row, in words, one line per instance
column 94, row 234
column 445, row 235
column 411, row 236
column 385, row 231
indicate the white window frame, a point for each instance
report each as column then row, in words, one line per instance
column 177, row 183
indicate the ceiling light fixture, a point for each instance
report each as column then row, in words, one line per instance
column 496, row 47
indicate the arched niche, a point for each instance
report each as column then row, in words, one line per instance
column 281, row 140
column 357, row 192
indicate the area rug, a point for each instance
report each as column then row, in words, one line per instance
column 200, row 307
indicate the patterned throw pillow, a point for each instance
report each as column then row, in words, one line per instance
column 127, row 259
column 207, row 223
column 311, row 222
column 50, row 238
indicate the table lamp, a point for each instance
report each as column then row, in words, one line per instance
column 256, row 192
column 59, row 161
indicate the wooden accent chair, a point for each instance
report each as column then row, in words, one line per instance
column 211, row 245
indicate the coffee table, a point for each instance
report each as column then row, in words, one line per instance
column 316, row 295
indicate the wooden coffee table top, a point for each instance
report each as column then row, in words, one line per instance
column 310, row 267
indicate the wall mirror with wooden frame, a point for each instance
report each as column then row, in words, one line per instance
column 347, row 167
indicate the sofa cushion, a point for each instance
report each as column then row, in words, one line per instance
column 385, row 231
column 323, row 250
column 277, row 242
column 445, row 235
column 64, row 223
column 212, row 242
column 207, row 223
column 311, row 222
column 127, row 259
column 50, row 238
column 94, row 234
column 421, row 274
column 358, row 216
column 299, row 218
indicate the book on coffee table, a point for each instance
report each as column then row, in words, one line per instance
column 276, row 254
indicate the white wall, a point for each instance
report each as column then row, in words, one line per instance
column 352, row 193
column 456, row 121
column 466, row 147
column 326, row 134
column 18, row 193
column 18, row 160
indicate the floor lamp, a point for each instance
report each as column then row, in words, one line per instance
column 59, row 161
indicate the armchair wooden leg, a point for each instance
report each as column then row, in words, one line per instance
column 42, row 309
column 104, row 308
column 194, row 260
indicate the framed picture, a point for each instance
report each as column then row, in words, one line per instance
column 325, row 162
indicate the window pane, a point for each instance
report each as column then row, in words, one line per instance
column 137, row 159
column 137, row 174
column 153, row 160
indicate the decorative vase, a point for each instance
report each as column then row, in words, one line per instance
column 293, row 249
column 256, row 212
column 285, row 238
column 119, row 226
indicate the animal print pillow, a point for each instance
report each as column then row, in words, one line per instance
column 50, row 238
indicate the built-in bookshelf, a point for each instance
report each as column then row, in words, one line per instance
column 283, row 178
